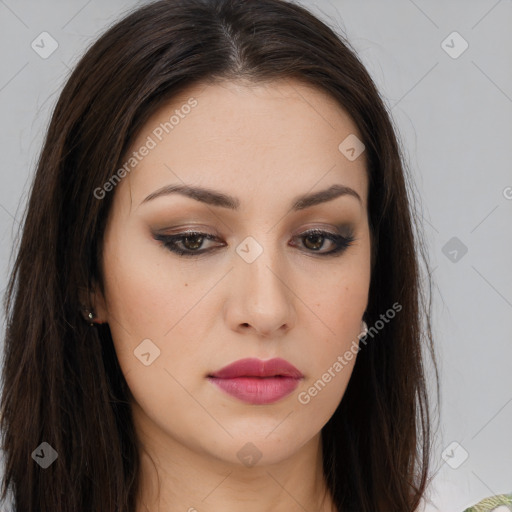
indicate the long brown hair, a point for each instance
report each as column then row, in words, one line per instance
column 62, row 383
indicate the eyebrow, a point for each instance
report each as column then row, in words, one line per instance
column 215, row 198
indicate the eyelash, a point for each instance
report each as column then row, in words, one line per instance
column 170, row 242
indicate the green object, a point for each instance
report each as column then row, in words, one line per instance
column 492, row 503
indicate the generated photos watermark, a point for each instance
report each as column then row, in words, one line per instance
column 137, row 156
column 304, row 397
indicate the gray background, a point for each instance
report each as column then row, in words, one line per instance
column 453, row 116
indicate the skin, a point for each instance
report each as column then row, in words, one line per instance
column 265, row 145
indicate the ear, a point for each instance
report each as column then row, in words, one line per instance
column 93, row 301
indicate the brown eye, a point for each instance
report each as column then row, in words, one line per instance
column 314, row 242
column 192, row 242
column 186, row 243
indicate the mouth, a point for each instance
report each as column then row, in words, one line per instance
column 257, row 382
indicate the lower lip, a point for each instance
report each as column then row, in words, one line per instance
column 257, row 390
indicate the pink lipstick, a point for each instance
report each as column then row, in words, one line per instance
column 257, row 382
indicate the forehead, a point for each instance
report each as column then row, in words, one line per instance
column 278, row 138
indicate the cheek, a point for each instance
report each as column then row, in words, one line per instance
column 338, row 310
column 338, row 298
column 144, row 292
column 154, row 308
column 337, row 289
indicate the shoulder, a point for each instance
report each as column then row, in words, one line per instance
column 498, row 503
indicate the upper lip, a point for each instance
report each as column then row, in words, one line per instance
column 252, row 367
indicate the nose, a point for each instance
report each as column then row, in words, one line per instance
column 261, row 296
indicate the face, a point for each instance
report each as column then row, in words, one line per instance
column 239, row 267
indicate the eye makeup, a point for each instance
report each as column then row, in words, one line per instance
column 189, row 243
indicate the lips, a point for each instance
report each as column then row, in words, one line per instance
column 251, row 367
column 256, row 381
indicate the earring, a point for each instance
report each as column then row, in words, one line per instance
column 364, row 329
column 88, row 315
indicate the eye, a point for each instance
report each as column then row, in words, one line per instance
column 190, row 243
column 314, row 240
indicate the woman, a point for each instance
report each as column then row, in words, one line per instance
column 216, row 302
